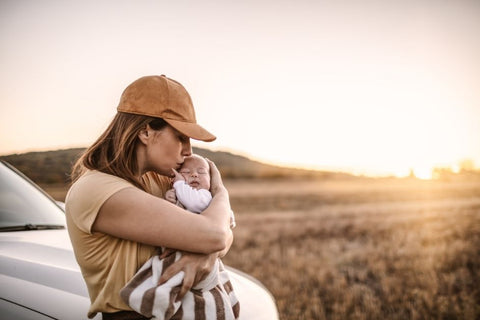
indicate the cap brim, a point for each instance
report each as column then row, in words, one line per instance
column 191, row 130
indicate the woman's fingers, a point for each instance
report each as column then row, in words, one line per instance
column 166, row 252
column 188, row 280
column 171, row 270
column 195, row 267
column 167, row 275
column 215, row 177
column 177, row 176
column 187, row 284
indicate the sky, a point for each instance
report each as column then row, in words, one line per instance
column 375, row 87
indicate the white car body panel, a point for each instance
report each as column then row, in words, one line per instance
column 38, row 269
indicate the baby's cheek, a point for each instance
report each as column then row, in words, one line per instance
column 207, row 183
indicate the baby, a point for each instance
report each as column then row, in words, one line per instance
column 191, row 187
column 142, row 293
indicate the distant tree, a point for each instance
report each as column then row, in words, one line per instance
column 412, row 173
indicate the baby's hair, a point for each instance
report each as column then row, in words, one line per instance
column 195, row 155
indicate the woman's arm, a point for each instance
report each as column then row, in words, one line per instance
column 228, row 245
column 136, row 215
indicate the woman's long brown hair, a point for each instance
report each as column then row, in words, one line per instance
column 114, row 151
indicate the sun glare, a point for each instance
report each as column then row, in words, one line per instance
column 456, row 168
column 424, row 173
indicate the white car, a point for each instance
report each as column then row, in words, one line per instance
column 39, row 276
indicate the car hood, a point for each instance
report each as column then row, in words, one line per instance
column 49, row 253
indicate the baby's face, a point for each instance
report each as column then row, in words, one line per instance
column 196, row 172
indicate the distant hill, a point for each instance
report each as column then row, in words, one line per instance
column 47, row 167
column 234, row 166
column 53, row 167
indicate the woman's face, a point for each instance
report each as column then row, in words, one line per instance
column 166, row 149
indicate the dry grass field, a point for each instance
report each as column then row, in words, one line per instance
column 398, row 249
column 360, row 249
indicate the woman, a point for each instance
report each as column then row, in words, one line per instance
column 116, row 214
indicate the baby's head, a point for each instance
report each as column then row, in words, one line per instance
column 196, row 172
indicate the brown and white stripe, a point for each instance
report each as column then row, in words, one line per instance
column 213, row 298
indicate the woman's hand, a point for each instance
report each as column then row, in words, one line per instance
column 216, row 183
column 177, row 176
column 196, row 267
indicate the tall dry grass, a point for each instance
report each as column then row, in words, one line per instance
column 362, row 250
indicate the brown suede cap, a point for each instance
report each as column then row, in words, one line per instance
column 162, row 97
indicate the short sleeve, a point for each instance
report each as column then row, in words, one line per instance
column 88, row 194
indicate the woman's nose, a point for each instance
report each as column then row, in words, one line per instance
column 187, row 149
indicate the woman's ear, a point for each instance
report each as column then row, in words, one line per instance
column 144, row 135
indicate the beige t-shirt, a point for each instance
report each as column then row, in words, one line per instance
column 106, row 262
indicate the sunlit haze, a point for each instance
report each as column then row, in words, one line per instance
column 369, row 87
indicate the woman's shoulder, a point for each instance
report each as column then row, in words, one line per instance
column 96, row 182
column 94, row 178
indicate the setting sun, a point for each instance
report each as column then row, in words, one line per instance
column 424, row 173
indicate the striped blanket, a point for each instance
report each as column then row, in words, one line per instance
column 211, row 299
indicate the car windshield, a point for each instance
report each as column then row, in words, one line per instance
column 23, row 206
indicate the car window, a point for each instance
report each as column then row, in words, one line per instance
column 22, row 204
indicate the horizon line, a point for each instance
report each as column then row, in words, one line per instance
column 315, row 168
